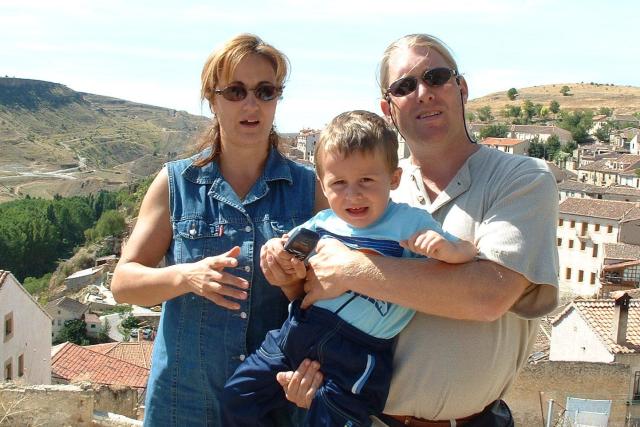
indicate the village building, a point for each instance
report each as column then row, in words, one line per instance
column 25, row 339
column 507, row 145
column 584, row 226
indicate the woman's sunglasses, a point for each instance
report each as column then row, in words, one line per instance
column 433, row 77
column 238, row 92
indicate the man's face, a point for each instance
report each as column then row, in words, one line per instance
column 430, row 114
column 357, row 186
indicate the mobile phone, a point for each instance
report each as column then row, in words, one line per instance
column 301, row 243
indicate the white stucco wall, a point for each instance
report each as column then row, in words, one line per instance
column 31, row 335
column 573, row 340
column 578, row 259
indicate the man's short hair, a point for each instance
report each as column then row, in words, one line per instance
column 357, row 131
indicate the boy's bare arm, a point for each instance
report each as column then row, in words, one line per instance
column 433, row 245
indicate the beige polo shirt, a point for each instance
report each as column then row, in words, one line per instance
column 508, row 206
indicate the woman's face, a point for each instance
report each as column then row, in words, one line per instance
column 246, row 123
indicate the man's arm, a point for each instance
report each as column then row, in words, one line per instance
column 478, row 290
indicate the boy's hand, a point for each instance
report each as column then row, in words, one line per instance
column 281, row 268
column 431, row 244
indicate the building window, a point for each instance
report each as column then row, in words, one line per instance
column 584, row 229
column 609, row 228
column 636, row 386
column 583, row 246
column 570, row 243
column 595, row 250
column 572, row 224
column 93, row 326
column 20, row 365
column 568, row 274
column 560, row 222
column 59, row 322
column 596, row 227
column 8, row 370
column 580, row 276
column 8, row 326
column 559, row 241
column 592, row 280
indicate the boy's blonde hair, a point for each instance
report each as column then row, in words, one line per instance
column 357, row 131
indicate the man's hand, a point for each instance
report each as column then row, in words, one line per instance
column 300, row 386
column 330, row 269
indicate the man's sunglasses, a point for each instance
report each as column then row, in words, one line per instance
column 238, row 92
column 433, row 77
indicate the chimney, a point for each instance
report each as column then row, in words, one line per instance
column 620, row 317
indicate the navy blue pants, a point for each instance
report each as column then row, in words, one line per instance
column 356, row 368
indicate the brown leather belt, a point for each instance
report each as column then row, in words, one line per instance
column 410, row 421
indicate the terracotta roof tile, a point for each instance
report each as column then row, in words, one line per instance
column 75, row 363
column 580, row 186
column 138, row 352
column 623, row 251
column 598, row 314
column 596, row 208
column 501, row 141
column 3, row 275
column 68, row 304
column 623, row 190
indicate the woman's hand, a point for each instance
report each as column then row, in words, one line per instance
column 208, row 279
column 330, row 269
column 300, row 386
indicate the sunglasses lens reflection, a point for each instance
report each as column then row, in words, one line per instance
column 234, row 93
column 404, row 86
column 266, row 92
column 434, row 77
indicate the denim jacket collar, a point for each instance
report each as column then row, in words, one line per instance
column 276, row 168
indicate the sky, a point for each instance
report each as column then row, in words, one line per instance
column 153, row 51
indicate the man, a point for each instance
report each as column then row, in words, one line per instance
column 476, row 321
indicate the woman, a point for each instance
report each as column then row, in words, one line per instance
column 208, row 216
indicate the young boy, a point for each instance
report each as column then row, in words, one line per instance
column 351, row 335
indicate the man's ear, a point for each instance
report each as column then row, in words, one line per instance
column 395, row 178
column 385, row 106
column 464, row 89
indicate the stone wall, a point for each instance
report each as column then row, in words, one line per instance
column 558, row 380
column 68, row 404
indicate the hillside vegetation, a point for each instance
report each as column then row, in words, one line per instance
column 581, row 96
column 58, row 141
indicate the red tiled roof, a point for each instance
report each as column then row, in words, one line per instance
column 596, row 208
column 3, row 275
column 623, row 251
column 598, row 314
column 75, row 363
column 501, row 141
column 138, row 353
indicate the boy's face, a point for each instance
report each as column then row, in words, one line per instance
column 357, row 186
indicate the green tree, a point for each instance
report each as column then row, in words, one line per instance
column 606, row 111
column 554, row 107
column 565, row 90
column 578, row 123
column 103, row 335
column 552, row 146
column 536, row 148
column 111, row 223
column 36, row 285
column 512, row 111
column 130, row 322
column 497, row 130
column 471, row 117
column 512, row 93
column 484, row 114
column 74, row 331
column 528, row 111
column 604, row 132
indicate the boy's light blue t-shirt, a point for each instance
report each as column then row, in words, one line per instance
column 399, row 222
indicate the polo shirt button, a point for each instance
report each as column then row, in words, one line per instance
column 243, row 315
column 247, row 229
column 247, row 268
column 242, row 357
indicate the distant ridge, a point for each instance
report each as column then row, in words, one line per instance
column 583, row 96
column 55, row 140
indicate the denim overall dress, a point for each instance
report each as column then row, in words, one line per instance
column 200, row 344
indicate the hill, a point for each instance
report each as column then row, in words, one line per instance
column 583, row 96
column 55, row 140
